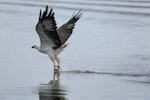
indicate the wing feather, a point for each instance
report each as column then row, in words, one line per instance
column 65, row 31
column 46, row 28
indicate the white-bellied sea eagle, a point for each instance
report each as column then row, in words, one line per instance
column 53, row 39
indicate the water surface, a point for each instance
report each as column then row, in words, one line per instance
column 107, row 57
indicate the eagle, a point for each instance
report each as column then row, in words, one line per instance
column 53, row 39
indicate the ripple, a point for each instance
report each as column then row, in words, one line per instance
column 107, row 73
column 100, row 8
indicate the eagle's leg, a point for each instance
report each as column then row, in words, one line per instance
column 58, row 61
column 52, row 57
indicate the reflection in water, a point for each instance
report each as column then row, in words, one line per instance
column 53, row 90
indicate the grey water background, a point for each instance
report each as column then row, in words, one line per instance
column 108, row 57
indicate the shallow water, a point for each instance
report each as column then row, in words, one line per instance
column 107, row 57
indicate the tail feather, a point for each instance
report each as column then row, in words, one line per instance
column 61, row 48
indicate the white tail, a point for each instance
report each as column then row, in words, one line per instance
column 60, row 49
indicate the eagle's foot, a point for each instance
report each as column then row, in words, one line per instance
column 56, row 69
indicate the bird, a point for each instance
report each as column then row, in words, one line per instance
column 53, row 40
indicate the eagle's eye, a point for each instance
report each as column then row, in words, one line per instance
column 33, row 46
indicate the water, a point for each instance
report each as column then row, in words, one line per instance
column 107, row 57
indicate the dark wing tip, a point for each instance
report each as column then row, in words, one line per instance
column 40, row 15
column 77, row 15
column 51, row 13
column 46, row 9
column 44, row 16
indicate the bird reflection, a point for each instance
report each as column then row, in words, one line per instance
column 53, row 90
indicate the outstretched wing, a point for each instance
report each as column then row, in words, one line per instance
column 46, row 28
column 65, row 31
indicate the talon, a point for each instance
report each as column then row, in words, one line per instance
column 56, row 68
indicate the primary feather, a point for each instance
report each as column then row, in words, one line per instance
column 66, row 29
